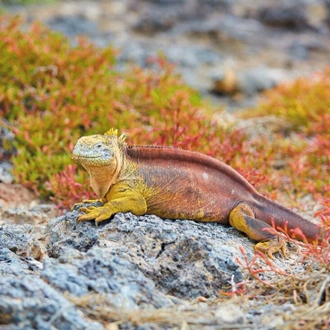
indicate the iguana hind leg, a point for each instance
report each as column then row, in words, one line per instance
column 243, row 219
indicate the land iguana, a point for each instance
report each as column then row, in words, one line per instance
column 178, row 184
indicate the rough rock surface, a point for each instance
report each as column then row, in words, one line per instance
column 22, row 240
column 28, row 302
column 132, row 263
column 142, row 272
column 185, row 258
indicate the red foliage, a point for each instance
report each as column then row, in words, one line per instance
column 71, row 190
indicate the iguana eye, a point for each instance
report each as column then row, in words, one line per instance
column 99, row 145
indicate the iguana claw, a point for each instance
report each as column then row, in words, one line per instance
column 100, row 213
column 272, row 246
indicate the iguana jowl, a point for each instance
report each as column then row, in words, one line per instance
column 179, row 184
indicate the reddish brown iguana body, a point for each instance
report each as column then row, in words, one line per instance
column 179, row 184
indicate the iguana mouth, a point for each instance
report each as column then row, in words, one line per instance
column 87, row 159
column 86, row 156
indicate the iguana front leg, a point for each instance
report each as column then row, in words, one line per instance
column 242, row 218
column 120, row 199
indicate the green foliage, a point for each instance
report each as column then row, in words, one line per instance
column 52, row 93
column 301, row 103
column 305, row 104
column 25, row 2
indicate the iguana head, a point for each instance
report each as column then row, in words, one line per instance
column 102, row 156
column 98, row 150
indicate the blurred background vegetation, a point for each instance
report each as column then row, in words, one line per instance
column 245, row 83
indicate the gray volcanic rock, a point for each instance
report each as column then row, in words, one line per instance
column 22, row 240
column 98, row 271
column 27, row 302
column 248, row 82
column 138, row 271
column 11, row 264
column 184, row 258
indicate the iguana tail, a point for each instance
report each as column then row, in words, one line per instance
column 271, row 212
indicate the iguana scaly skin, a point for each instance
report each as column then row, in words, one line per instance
column 179, row 184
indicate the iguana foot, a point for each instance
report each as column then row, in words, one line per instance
column 272, row 246
column 99, row 213
column 242, row 217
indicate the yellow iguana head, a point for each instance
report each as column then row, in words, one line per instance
column 99, row 150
